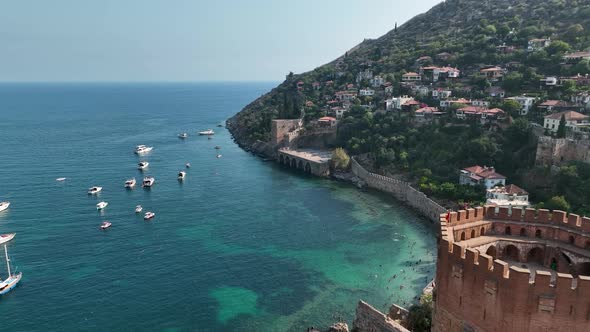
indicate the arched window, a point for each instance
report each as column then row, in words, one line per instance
column 462, row 236
column 538, row 234
column 511, row 252
column 522, row 232
column 491, row 252
column 472, row 233
column 571, row 239
column 507, row 231
column 482, row 232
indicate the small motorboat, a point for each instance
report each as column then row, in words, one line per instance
column 60, row 179
column 6, row 237
column 141, row 149
column 188, row 165
column 94, row 190
column 183, row 135
column 130, row 183
column 148, row 181
column 142, row 165
column 207, row 132
column 105, row 225
column 101, row 205
column 220, row 125
column 4, row 205
column 138, row 209
column 218, row 156
column 181, row 175
column 149, row 215
column 217, row 147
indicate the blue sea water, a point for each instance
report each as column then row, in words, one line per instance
column 240, row 245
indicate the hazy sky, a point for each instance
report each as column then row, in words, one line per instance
column 182, row 40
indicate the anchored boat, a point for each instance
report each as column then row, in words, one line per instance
column 12, row 280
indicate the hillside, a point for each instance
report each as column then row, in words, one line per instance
column 461, row 58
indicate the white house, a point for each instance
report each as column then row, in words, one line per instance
column 525, row 103
column 508, row 196
column 538, row 44
column 477, row 175
column 366, row 92
column 441, row 94
column 582, row 99
column 377, row 81
column 411, row 77
column 549, row 81
column 364, row 75
column 480, row 103
column 396, row 103
column 573, row 120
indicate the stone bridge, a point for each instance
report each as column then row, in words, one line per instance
column 316, row 162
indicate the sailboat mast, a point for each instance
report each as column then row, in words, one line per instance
column 7, row 261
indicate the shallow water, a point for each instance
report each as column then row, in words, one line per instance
column 240, row 245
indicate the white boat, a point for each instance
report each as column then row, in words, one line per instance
column 13, row 279
column 148, row 181
column 4, row 205
column 138, row 209
column 101, row 205
column 105, row 225
column 60, row 179
column 6, row 237
column 183, row 135
column 188, row 165
column 218, row 156
column 181, row 175
column 149, row 215
column 130, row 183
column 207, row 132
column 141, row 149
column 142, row 165
column 94, row 190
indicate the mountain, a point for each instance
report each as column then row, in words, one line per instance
column 484, row 50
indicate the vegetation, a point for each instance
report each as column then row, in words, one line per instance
column 340, row 159
column 420, row 315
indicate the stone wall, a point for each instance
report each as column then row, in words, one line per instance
column 401, row 190
column 369, row 319
column 284, row 131
column 554, row 151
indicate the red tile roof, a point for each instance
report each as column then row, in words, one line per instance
column 483, row 172
column 569, row 116
column 327, row 119
column 513, row 189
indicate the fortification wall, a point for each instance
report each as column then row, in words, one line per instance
column 284, row 131
column 401, row 190
column 369, row 319
column 474, row 292
column 554, row 151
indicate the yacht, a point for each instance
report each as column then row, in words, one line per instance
column 4, row 205
column 181, row 175
column 142, row 165
column 141, row 149
column 188, row 165
column 94, row 190
column 148, row 181
column 60, row 179
column 6, row 237
column 149, row 215
column 183, row 135
column 130, row 183
column 13, row 278
column 105, row 225
column 218, row 156
column 207, row 132
column 101, row 205
column 138, row 209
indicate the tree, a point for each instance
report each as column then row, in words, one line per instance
column 558, row 47
column 512, row 82
column 561, row 128
column 420, row 315
column 340, row 159
column 511, row 107
column 573, row 32
column 558, row 203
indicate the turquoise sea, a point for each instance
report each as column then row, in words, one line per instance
column 241, row 245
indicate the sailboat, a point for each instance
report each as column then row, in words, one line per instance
column 12, row 280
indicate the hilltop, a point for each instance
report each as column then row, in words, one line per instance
column 432, row 95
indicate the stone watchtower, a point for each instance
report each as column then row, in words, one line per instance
column 519, row 270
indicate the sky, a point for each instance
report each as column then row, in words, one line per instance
column 185, row 40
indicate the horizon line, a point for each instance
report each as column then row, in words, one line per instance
column 148, row 82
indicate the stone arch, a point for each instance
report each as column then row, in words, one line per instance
column 472, row 233
column 462, row 236
column 571, row 239
column 523, row 231
column 511, row 252
column 287, row 161
column 482, row 231
column 293, row 163
column 538, row 234
column 536, row 255
column 281, row 159
column 308, row 168
column 491, row 252
column 300, row 165
column 507, row 230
